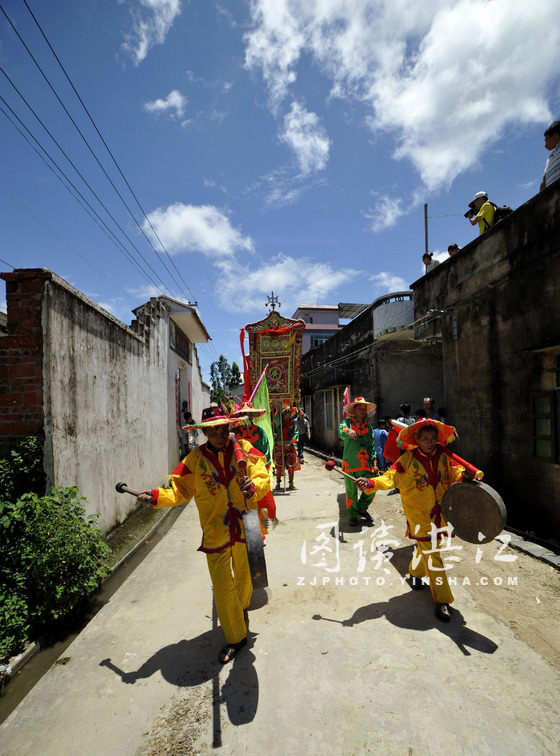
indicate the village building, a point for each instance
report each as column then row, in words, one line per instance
column 480, row 333
column 105, row 397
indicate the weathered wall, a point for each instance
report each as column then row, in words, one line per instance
column 96, row 390
column 105, row 398
column 386, row 371
column 499, row 300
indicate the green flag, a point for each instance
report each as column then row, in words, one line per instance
column 261, row 401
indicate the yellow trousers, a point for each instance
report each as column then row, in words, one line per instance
column 431, row 566
column 231, row 581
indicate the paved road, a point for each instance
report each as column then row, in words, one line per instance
column 343, row 658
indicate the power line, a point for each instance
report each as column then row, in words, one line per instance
column 8, row 264
column 78, row 172
column 57, row 236
column 103, row 141
column 56, row 169
column 116, row 240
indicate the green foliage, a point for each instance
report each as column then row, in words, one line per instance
column 21, row 470
column 52, row 557
column 223, row 377
column 236, row 379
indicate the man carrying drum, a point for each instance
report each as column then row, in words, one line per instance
column 221, row 492
column 423, row 474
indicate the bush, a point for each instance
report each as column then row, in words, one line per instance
column 21, row 470
column 51, row 558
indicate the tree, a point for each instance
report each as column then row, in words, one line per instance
column 223, row 377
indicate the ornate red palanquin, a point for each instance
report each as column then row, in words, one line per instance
column 275, row 344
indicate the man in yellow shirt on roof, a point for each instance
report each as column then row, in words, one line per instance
column 481, row 212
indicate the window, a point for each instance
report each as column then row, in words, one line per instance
column 179, row 341
column 318, row 340
column 544, row 408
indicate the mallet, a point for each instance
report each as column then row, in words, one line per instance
column 331, row 465
column 123, row 488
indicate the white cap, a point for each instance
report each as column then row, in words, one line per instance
column 478, row 195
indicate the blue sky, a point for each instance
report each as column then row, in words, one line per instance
column 285, row 145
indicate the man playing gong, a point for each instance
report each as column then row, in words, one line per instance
column 220, row 490
column 423, row 474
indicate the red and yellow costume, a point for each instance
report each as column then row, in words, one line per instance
column 422, row 480
column 213, row 481
column 285, row 438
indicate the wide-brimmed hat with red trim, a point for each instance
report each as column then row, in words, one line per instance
column 288, row 407
column 247, row 409
column 214, row 416
column 359, row 400
column 446, row 433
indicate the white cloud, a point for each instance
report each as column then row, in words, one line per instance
column 385, row 283
column 197, row 228
column 444, row 78
column 244, row 289
column 174, row 104
column 151, row 21
column 385, row 211
column 306, row 137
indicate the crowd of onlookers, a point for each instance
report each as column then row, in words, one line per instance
column 484, row 213
column 404, row 417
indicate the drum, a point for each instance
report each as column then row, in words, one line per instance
column 476, row 511
column 255, row 548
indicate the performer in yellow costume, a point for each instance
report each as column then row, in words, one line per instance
column 422, row 475
column 220, row 490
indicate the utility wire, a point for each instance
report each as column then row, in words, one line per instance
column 80, row 175
column 341, row 360
column 8, row 264
column 76, row 193
column 104, row 143
column 116, row 239
column 57, row 236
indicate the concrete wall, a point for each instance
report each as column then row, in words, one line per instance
column 387, row 371
column 105, row 397
column 499, row 324
column 97, row 390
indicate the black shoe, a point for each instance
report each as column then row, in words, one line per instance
column 353, row 521
column 443, row 612
column 230, row 651
column 393, row 492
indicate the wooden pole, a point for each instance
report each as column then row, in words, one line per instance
column 426, row 226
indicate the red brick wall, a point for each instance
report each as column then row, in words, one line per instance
column 21, row 356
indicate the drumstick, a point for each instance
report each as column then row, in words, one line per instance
column 240, row 459
column 331, row 466
column 477, row 473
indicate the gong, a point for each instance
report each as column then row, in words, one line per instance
column 476, row 511
column 255, row 548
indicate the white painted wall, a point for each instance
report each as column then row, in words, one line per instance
column 107, row 408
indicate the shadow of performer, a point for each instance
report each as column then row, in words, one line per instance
column 410, row 612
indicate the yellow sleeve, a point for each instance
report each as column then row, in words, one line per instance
column 182, row 484
column 386, row 481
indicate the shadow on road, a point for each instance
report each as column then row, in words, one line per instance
column 192, row 662
column 412, row 611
